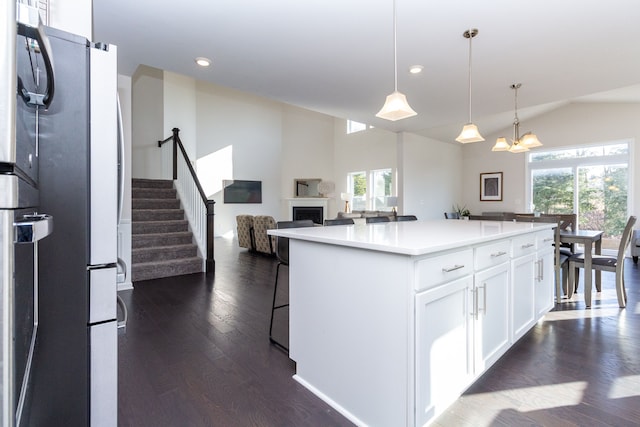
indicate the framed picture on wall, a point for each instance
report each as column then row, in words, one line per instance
column 491, row 186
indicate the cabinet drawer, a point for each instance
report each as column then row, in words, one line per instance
column 443, row 268
column 525, row 244
column 492, row 254
column 545, row 239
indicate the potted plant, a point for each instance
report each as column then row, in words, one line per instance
column 462, row 211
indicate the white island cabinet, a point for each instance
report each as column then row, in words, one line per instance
column 389, row 323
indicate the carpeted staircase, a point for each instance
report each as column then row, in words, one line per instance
column 161, row 243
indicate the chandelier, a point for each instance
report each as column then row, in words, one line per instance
column 519, row 144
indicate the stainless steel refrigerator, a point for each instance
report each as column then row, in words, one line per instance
column 74, row 378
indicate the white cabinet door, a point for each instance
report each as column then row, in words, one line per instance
column 444, row 367
column 545, row 282
column 491, row 313
column 523, row 272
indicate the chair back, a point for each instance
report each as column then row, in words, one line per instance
column 625, row 239
column 282, row 247
column 339, row 221
column 451, row 215
column 406, row 218
column 372, row 219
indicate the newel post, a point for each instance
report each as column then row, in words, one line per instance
column 211, row 263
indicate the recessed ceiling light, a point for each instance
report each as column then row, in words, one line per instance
column 203, row 62
column 415, row 69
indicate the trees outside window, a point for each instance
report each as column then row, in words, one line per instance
column 592, row 181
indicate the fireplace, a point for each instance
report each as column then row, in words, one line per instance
column 313, row 208
column 314, row 213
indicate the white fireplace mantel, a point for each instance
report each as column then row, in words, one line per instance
column 307, row 202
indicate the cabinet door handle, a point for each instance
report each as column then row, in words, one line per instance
column 541, row 267
column 475, row 303
column 454, row 268
column 549, row 239
column 484, row 298
column 528, row 245
column 497, row 254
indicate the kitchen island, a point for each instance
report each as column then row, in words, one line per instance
column 391, row 322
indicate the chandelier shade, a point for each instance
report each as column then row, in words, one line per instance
column 396, row 106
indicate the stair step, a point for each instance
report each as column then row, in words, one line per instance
column 160, row 239
column 155, row 204
column 146, row 227
column 153, row 193
column 162, row 253
column 154, row 270
column 156, row 214
column 151, row 183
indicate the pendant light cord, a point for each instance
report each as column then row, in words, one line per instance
column 395, row 48
column 470, row 48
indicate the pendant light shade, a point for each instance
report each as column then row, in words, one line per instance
column 396, row 106
column 470, row 132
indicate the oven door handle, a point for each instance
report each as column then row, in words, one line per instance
column 29, row 25
column 32, row 228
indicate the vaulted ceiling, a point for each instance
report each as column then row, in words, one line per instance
column 336, row 56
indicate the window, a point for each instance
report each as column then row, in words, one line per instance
column 592, row 181
column 371, row 189
column 353, row 126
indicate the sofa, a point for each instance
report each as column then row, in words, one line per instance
column 365, row 214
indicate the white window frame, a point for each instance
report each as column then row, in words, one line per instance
column 369, row 176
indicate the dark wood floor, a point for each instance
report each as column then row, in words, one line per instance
column 196, row 353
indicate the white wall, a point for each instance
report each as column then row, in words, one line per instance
column 431, row 174
column 147, row 125
column 179, row 104
column 574, row 124
column 306, row 152
column 247, row 132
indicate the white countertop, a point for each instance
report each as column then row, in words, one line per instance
column 412, row 237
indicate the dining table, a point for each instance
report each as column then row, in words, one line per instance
column 588, row 238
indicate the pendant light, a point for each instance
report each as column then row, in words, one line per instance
column 470, row 132
column 519, row 144
column 396, row 106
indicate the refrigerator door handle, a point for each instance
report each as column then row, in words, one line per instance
column 121, row 161
column 32, row 228
column 29, row 25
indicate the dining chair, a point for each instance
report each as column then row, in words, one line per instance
column 606, row 263
column 406, row 218
column 561, row 261
column 373, row 219
column 282, row 253
column 339, row 221
column 451, row 215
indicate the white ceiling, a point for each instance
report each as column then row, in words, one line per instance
column 336, row 56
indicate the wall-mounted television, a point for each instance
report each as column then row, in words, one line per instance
column 239, row 191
